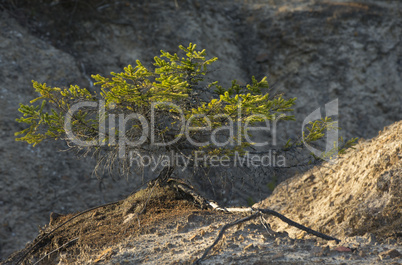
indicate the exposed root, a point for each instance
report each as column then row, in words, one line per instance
column 252, row 214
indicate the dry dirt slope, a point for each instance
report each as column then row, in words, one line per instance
column 360, row 193
column 357, row 199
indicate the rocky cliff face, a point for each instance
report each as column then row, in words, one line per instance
column 333, row 50
column 315, row 51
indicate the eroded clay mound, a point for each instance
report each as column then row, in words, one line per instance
column 360, row 193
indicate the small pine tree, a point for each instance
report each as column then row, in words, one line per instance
column 154, row 112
